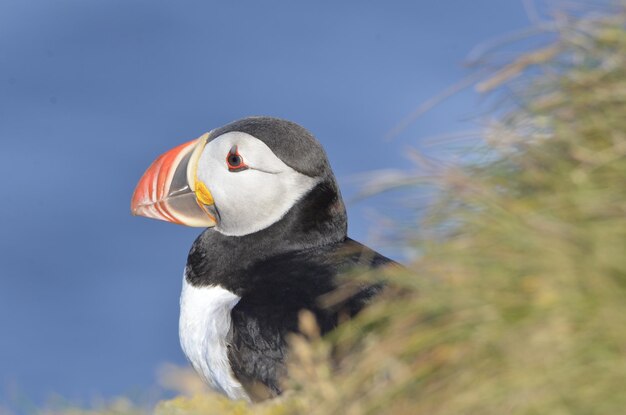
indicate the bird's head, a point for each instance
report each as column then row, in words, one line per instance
column 239, row 178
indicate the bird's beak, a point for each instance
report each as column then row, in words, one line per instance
column 170, row 190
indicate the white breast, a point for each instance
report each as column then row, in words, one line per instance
column 203, row 327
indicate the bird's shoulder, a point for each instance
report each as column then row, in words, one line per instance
column 298, row 278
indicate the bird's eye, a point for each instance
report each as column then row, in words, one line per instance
column 235, row 161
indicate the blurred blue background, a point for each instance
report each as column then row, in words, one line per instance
column 92, row 91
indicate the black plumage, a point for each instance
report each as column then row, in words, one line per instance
column 277, row 272
column 286, row 267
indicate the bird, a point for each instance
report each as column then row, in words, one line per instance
column 275, row 244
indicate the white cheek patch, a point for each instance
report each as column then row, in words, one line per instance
column 252, row 199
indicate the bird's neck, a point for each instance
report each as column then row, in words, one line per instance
column 318, row 219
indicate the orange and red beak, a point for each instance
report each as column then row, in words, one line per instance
column 170, row 190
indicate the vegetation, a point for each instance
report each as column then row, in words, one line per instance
column 517, row 301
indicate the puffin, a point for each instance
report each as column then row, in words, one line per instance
column 275, row 244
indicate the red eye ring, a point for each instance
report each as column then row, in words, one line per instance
column 234, row 161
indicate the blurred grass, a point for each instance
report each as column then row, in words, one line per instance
column 517, row 303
